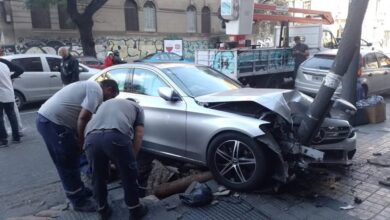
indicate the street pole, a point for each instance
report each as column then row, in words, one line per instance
column 322, row 102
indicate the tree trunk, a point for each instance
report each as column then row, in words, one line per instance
column 85, row 25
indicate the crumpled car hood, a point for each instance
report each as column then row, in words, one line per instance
column 283, row 102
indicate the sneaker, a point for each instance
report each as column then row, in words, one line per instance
column 105, row 213
column 3, row 144
column 88, row 206
column 138, row 213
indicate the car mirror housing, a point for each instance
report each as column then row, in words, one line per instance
column 168, row 94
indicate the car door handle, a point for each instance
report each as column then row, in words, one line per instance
column 53, row 76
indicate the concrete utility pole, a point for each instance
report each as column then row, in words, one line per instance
column 322, row 102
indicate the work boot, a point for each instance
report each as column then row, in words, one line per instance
column 87, row 206
column 138, row 213
column 105, row 213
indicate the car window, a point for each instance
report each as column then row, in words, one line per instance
column 383, row 60
column 146, row 82
column 54, row 64
column 163, row 56
column 174, row 56
column 29, row 64
column 371, row 61
column 322, row 62
column 121, row 76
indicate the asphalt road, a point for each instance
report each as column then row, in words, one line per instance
column 28, row 179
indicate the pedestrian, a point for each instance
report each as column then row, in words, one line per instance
column 300, row 53
column 69, row 67
column 108, row 59
column 61, row 121
column 117, row 138
column 7, row 103
column 17, row 71
column 116, row 59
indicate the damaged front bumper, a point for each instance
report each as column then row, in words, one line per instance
column 337, row 153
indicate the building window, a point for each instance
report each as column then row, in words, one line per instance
column 40, row 16
column 150, row 16
column 191, row 19
column 131, row 16
column 206, row 20
column 64, row 18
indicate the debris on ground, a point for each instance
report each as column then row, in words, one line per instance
column 222, row 193
column 382, row 160
column 198, row 195
column 170, row 207
column 385, row 182
column 49, row 213
column 348, row 207
column 358, row 200
column 377, row 154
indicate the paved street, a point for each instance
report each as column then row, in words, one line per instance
column 28, row 180
column 29, row 183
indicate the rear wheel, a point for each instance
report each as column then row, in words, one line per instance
column 19, row 99
column 236, row 161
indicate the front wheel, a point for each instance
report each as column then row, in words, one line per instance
column 19, row 99
column 236, row 161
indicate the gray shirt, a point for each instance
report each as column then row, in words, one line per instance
column 64, row 107
column 120, row 114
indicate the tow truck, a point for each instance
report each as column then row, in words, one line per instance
column 261, row 67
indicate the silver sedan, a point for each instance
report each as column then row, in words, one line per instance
column 196, row 114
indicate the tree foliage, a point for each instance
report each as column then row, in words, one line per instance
column 83, row 19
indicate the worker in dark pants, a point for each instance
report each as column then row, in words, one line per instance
column 300, row 53
column 61, row 121
column 115, row 134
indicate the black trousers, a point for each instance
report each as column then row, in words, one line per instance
column 9, row 109
column 110, row 145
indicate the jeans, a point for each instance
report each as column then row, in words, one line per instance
column 110, row 145
column 8, row 108
column 64, row 151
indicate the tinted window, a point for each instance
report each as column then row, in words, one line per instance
column 198, row 81
column 121, row 76
column 30, row 64
column 54, row 64
column 319, row 62
column 174, row 56
column 371, row 61
column 383, row 60
column 146, row 82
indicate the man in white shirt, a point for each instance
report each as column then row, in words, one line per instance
column 7, row 102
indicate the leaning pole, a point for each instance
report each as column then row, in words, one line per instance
column 322, row 102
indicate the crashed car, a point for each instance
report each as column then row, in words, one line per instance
column 196, row 114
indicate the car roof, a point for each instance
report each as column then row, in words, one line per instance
column 333, row 52
column 16, row 56
column 159, row 65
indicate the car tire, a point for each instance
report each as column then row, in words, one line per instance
column 19, row 99
column 237, row 161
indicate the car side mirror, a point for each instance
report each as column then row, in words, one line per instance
column 369, row 44
column 168, row 94
column 341, row 106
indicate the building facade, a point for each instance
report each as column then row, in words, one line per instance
column 134, row 27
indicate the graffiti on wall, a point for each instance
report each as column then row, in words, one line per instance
column 130, row 48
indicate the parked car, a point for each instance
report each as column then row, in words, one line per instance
column 92, row 62
column 198, row 115
column 41, row 78
column 374, row 72
column 163, row 57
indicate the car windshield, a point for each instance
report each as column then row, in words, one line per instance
column 197, row 81
column 323, row 62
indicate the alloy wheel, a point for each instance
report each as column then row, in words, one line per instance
column 235, row 161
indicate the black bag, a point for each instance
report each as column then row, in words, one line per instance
column 200, row 195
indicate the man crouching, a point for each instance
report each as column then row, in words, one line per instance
column 115, row 134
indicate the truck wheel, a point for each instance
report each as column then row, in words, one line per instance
column 236, row 161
